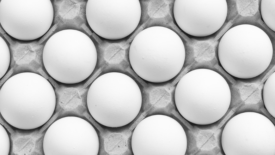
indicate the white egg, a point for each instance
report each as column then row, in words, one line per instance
column 70, row 56
column 4, row 141
column 249, row 134
column 113, row 19
column 71, row 136
column 202, row 96
column 4, row 57
column 159, row 135
column 268, row 94
column 26, row 19
column 27, row 101
column 245, row 51
column 114, row 99
column 268, row 13
column 200, row 17
column 157, row 54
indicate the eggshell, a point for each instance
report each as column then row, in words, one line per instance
column 26, row 19
column 71, row 136
column 200, row 17
column 27, row 101
column 249, row 134
column 114, row 99
column 113, row 19
column 4, row 57
column 268, row 13
column 268, row 94
column 157, row 54
column 245, row 51
column 202, row 96
column 70, row 56
column 4, row 141
column 159, row 135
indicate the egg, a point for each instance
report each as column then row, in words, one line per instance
column 249, row 133
column 268, row 13
column 113, row 19
column 200, row 17
column 71, row 136
column 70, row 56
column 26, row 19
column 114, row 99
column 27, row 100
column 157, row 54
column 159, row 135
column 268, row 95
column 245, row 51
column 4, row 141
column 202, row 96
column 4, row 57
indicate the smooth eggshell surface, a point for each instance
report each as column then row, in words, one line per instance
column 202, row 96
column 157, row 54
column 70, row 56
column 159, row 135
column 249, row 134
column 268, row 94
column 200, row 17
column 268, row 13
column 4, row 141
column 26, row 19
column 4, row 57
column 27, row 100
column 113, row 19
column 245, row 51
column 114, row 99
column 71, row 136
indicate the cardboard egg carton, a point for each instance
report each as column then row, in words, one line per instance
column 157, row 98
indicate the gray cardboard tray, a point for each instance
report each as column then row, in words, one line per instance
column 157, row 98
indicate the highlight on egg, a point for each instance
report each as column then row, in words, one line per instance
column 4, row 141
column 268, row 13
column 70, row 56
column 157, row 54
column 4, row 57
column 245, row 51
column 27, row 101
column 159, row 134
column 202, row 96
column 200, row 18
column 113, row 19
column 114, row 99
column 71, row 136
column 26, row 19
column 248, row 133
column 268, row 94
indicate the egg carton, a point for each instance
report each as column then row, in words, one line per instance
column 157, row 98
